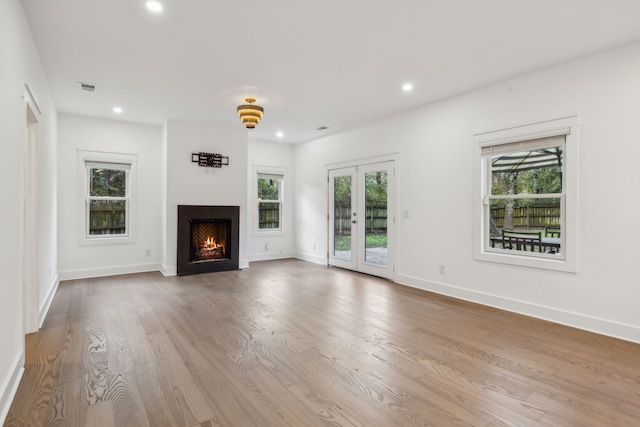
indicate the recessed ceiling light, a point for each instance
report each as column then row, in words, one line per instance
column 117, row 110
column 154, row 6
column 279, row 134
column 407, row 87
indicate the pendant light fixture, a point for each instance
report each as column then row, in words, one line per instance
column 250, row 114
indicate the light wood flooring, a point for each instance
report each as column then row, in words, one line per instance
column 290, row 343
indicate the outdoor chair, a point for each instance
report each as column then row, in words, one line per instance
column 552, row 230
column 522, row 240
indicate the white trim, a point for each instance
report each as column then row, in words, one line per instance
column 390, row 272
column 243, row 263
column 517, row 129
column 575, row 320
column 168, row 271
column 46, row 304
column 527, row 136
column 281, row 172
column 129, row 159
column 361, row 162
column 310, row 258
column 569, row 126
column 10, row 386
column 266, row 256
column 28, row 208
column 31, row 98
column 109, row 271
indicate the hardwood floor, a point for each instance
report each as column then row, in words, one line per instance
column 290, row 343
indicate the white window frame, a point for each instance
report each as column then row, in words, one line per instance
column 274, row 172
column 128, row 162
column 567, row 261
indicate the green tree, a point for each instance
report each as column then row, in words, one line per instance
column 108, row 182
column 525, row 178
column 268, row 189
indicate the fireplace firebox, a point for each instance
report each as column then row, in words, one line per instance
column 208, row 239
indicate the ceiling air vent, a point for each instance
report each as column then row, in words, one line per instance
column 87, row 87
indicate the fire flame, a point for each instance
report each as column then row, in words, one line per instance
column 211, row 243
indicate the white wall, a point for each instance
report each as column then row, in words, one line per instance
column 270, row 246
column 436, row 185
column 21, row 65
column 189, row 184
column 82, row 260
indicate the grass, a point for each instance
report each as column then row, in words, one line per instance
column 343, row 243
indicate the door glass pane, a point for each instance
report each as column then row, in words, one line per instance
column 376, row 218
column 342, row 217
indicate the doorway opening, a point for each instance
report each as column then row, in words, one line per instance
column 30, row 232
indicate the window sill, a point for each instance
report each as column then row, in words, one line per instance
column 539, row 262
column 107, row 240
column 268, row 233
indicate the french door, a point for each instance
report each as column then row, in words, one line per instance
column 361, row 218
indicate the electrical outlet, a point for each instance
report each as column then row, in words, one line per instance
column 314, row 246
column 441, row 268
column 148, row 252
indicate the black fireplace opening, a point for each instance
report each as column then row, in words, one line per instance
column 208, row 239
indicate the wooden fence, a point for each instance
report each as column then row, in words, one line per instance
column 534, row 216
column 375, row 218
column 107, row 222
column 268, row 216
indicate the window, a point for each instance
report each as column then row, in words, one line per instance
column 107, row 196
column 269, row 186
column 524, row 200
column 108, row 199
column 526, row 213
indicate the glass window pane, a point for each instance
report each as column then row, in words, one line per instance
column 107, row 217
column 534, row 221
column 107, row 182
column 268, row 189
column 342, row 217
column 268, row 215
column 527, row 172
column 376, row 218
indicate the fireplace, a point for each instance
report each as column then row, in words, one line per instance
column 208, row 239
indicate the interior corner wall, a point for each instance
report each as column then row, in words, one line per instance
column 21, row 65
column 436, row 167
column 190, row 184
column 163, row 199
column 94, row 260
column 269, row 245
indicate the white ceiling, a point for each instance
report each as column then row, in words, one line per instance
column 335, row 63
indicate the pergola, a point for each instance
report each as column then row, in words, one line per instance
column 527, row 160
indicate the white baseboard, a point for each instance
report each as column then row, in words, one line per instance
column 10, row 386
column 108, row 271
column 266, row 256
column 44, row 308
column 575, row 320
column 168, row 270
column 310, row 257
